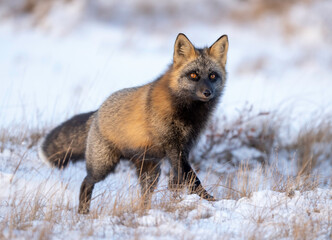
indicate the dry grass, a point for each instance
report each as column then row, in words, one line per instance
column 312, row 145
column 256, row 139
column 256, row 9
column 44, row 210
column 164, row 16
column 20, row 135
column 257, row 132
column 146, row 13
column 41, row 213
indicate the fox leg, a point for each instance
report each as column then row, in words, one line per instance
column 86, row 193
column 183, row 174
column 101, row 159
column 148, row 172
column 96, row 173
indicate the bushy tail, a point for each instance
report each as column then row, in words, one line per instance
column 67, row 141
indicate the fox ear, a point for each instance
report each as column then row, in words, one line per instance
column 183, row 49
column 219, row 49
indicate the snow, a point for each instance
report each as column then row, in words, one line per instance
column 261, row 214
column 70, row 63
column 45, row 74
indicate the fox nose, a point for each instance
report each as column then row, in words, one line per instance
column 207, row 93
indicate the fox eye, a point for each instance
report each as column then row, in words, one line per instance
column 193, row 76
column 213, row 76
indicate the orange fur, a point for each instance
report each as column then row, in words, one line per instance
column 128, row 128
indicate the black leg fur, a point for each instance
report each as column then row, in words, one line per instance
column 85, row 194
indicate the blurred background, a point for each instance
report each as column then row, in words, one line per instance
column 60, row 57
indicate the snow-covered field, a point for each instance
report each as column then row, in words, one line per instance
column 279, row 67
column 39, row 203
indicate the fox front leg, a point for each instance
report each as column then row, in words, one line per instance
column 183, row 174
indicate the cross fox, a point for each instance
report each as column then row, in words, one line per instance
column 145, row 124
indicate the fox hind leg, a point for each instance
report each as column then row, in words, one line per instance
column 86, row 193
column 101, row 159
column 94, row 176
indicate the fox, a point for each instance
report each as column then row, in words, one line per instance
column 160, row 120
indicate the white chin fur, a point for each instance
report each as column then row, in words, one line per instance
column 42, row 154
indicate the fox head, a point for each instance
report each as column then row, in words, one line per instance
column 198, row 74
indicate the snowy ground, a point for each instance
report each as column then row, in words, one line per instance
column 48, row 75
column 37, row 202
